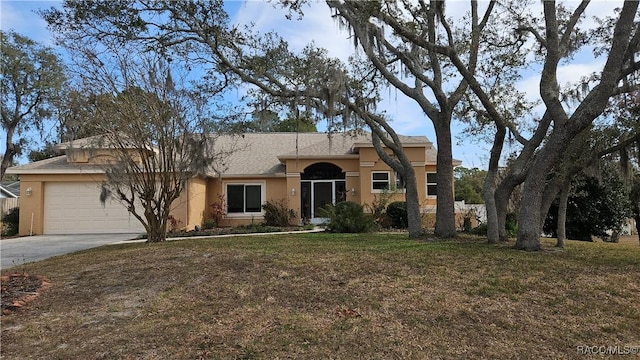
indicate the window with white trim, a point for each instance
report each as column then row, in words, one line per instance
column 432, row 184
column 380, row 181
column 244, row 198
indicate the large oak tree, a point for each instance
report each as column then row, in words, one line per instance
column 557, row 36
column 31, row 78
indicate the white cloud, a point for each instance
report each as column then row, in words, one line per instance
column 316, row 26
column 21, row 17
column 573, row 73
column 568, row 76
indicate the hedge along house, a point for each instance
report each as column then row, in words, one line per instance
column 307, row 170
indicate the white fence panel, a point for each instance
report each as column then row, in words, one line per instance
column 7, row 204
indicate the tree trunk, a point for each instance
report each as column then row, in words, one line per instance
column 529, row 217
column 535, row 184
column 562, row 215
column 10, row 152
column 445, row 213
column 155, row 235
column 489, row 190
column 516, row 175
column 400, row 164
column 413, row 204
column 637, row 219
column 529, row 226
column 7, row 159
column 502, row 206
column 549, row 195
column 489, row 186
column 503, row 194
column 615, row 236
column 156, row 229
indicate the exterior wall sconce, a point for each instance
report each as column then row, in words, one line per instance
column 293, row 191
column 29, row 191
column 353, row 191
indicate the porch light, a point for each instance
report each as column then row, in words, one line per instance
column 29, row 191
column 353, row 191
column 293, row 191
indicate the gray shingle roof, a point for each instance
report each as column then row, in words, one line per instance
column 262, row 153
column 257, row 154
column 97, row 142
column 55, row 165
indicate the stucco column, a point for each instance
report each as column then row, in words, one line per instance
column 31, row 208
column 293, row 195
column 354, row 188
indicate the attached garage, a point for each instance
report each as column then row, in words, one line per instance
column 75, row 208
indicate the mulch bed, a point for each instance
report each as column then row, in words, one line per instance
column 18, row 289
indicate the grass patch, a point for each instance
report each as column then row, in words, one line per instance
column 329, row 296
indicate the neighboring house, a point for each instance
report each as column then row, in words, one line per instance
column 9, row 189
column 308, row 170
column 9, row 196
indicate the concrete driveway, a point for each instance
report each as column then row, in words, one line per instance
column 35, row 248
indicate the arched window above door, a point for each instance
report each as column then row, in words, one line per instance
column 324, row 171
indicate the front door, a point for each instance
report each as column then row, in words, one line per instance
column 321, row 184
column 317, row 194
column 322, row 196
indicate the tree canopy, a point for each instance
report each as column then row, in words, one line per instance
column 596, row 207
column 468, row 184
column 269, row 121
column 31, row 79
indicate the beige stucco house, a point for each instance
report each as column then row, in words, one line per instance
column 309, row 170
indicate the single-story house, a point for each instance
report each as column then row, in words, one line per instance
column 308, row 170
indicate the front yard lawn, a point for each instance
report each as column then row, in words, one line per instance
column 312, row 296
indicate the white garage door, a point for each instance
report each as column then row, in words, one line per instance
column 75, row 208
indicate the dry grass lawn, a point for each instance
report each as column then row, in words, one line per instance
column 312, row 296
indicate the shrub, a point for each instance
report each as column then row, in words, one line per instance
column 277, row 213
column 11, row 221
column 397, row 212
column 511, row 224
column 480, row 230
column 174, row 224
column 218, row 209
column 254, row 228
column 378, row 207
column 209, row 224
column 347, row 217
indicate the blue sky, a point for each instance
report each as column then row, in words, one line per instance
column 318, row 26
